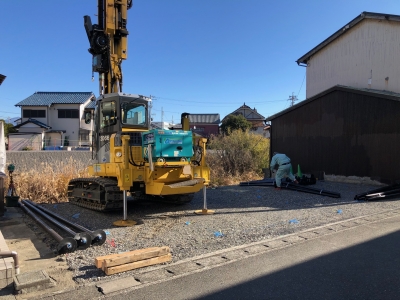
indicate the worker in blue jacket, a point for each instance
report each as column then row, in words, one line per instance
column 284, row 164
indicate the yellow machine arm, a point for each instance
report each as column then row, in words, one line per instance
column 108, row 43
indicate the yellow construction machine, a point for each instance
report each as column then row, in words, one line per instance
column 130, row 157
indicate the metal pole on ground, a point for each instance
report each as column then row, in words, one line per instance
column 125, row 222
column 83, row 239
column 205, row 210
column 98, row 236
column 66, row 245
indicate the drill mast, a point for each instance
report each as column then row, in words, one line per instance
column 108, row 43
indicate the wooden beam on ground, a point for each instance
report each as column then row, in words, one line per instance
column 138, row 264
column 133, row 256
column 99, row 260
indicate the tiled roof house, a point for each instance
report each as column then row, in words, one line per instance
column 255, row 118
column 53, row 119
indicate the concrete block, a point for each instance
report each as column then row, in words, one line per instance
column 3, row 270
column 117, row 285
column 9, row 267
column 32, row 281
column 6, row 282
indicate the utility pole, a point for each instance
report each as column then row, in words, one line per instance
column 292, row 99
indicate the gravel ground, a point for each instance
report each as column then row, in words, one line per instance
column 243, row 214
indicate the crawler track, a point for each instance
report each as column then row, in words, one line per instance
column 103, row 194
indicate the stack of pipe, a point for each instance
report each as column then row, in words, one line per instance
column 291, row 186
column 78, row 240
column 376, row 194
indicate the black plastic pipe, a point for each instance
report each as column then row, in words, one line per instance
column 98, row 236
column 362, row 196
column 291, row 186
column 83, row 239
column 65, row 245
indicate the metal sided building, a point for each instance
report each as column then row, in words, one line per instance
column 342, row 131
column 363, row 53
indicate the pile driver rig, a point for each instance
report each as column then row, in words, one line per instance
column 165, row 165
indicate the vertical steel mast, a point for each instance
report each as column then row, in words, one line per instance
column 108, row 43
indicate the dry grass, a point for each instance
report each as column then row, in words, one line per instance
column 239, row 156
column 47, row 183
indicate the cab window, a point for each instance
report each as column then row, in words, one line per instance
column 108, row 114
column 134, row 114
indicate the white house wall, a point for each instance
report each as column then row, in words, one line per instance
column 43, row 120
column 71, row 126
column 367, row 56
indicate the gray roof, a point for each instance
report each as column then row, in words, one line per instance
column 204, row 118
column 364, row 15
column 91, row 105
column 34, row 121
column 378, row 93
column 49, row 98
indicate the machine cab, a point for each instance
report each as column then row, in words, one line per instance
column 118, row 113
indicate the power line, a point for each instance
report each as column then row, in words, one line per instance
column 8, row 112
column 301, row 84
column 203, row 102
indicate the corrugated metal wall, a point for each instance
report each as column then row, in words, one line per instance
column 367, row 53
column 342, row 133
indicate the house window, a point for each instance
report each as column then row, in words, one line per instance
column 34, row 113
column 199, row 129
column 68, row 113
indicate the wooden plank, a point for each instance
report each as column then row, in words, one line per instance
column 129, row 258
column 139, row 264
column 98, row 261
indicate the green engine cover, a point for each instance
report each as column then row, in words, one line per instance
column 168, row 145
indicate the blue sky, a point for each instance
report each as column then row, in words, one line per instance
column 196, row 56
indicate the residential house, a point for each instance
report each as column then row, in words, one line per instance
column 251, row 115
column 362, row 54
column 53, row 119
column 353, row 103
column 204, row 125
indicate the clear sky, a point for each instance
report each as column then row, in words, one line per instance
column 196, row 56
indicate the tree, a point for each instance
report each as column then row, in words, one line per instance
column 8, row 128
column 235, row 122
